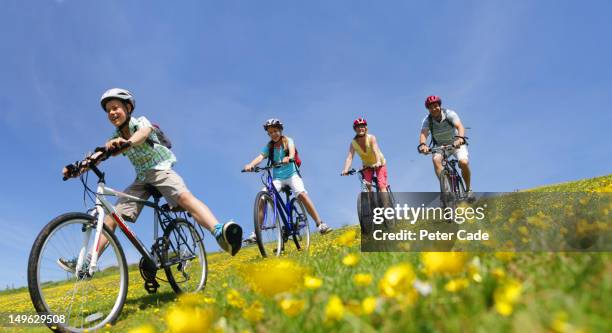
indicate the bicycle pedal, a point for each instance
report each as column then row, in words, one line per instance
column 151, row 286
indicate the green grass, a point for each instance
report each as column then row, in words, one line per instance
column 559, row 291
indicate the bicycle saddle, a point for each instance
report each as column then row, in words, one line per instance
column 153, row 191
column 286, row 189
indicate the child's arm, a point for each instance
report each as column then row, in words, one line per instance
column 349, row 160
column 291, row 152
column 376, row 152
column 422, row 141
column 254, row 162
column 136, row 139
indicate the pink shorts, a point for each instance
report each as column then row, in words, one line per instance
column 381, row 174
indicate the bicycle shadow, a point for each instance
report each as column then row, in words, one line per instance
column 133, row 305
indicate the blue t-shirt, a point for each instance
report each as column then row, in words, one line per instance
column 285, row 171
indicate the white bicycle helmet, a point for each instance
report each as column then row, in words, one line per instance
column 273, row 122
column 122, row 94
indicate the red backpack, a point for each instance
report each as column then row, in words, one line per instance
column 296, row 158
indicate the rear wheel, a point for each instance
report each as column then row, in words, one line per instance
column 267, row 226
column 299, row 220
column 84, row 300
column 184, row 258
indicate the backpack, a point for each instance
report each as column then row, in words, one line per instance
column 296, row 158
column 433, row 141
column 163, row 139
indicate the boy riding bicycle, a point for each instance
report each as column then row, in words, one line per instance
column 153, row 164
column 372, row 158
column 281, row 150
column 446, row 129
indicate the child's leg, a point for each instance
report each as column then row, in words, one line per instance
column 200, row 212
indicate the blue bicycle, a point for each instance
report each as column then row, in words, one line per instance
column 268, row 212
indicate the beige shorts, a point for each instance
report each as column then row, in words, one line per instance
column 167, row 182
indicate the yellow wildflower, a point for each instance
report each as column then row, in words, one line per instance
column 235, row 299
column 254, row 313
column 369, row 305
column 505, row 256
column 188, row 320
column 142, row 329
column 506, row 296
column 291, row 307
column 350, row 260
column 334, row 310
column 456, row 285
column 347, row 238
column 362, row 279
column 273, row 276
column 397, row 281
column 312, row 282
column 444, row 262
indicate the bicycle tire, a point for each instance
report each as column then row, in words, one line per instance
column 42, row 288
column 300, row 224
column 267, row 226
column 188, row 272
column 447, row 195
column 364, row 212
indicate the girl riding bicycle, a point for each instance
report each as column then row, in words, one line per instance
column 153, row 162
column 281, row 150
column 372, row 158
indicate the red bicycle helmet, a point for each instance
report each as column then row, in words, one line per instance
column 432, row 99
column 359, row 121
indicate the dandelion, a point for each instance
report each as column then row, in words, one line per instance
column 347, row 238
column 369, row 305
column 444, row 262
column 506, row 296
column 350, row 260
column 143, row 329
column 273, row 277
column 397, row 282
column 334, row 310
column 254, row 313
column 312, row 282
column 188, row 320
column 291, row 307
column 362, row 279
column 505, row 256
column 456, row 285
column 235, row 299
column 498, row 273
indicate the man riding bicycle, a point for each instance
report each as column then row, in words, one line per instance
column 446, row 129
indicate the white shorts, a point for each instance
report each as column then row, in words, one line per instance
column 294, row 182
column 460, row 153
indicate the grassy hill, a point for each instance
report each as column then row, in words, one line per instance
column 335, row 287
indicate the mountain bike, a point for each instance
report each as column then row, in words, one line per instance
column 370, row 198
column 452, row 187
column 276, row 220
column 93, row 294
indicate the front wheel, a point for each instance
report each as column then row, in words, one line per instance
column 448, row 196
column 301, row 227
column 268, row 229
column 184, row 257
column 82, row 301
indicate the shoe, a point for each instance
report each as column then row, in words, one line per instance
column 252, row 239
column 229, row 237
column 324, row 228
column 69, row 265
column 470, row 196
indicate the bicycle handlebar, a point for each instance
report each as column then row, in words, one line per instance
column 447, row 148
column 272, row 166
column 100, row 154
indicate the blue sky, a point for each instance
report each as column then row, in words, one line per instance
column 531, row 78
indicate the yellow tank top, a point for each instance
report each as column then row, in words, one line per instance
column 368, row 157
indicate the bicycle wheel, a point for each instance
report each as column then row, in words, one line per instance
column 184, row 259
column 364, row 212
column 86, row 302
column 447, row 194
column 301, row 227
column 267, row 226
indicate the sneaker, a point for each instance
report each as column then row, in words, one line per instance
column 252, row 239
column 229, row 237
column 69, row 265
column 324, row 228
column 470, row 196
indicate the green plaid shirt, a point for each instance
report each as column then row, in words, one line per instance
column 150, row 154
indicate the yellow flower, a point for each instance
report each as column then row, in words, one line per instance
column 142, row 329
column 190, row 299
column 523, row 230
column 362, row 280
column 397, row 281
column 353, row 307
column 350, row 260
column 456, row 285
column 312, row 282
column 506, row 295
column 188, row 320
column 498, row 273
column 254, row 313
column 334, row 310
column 444, row 262
column 235, row 299
column 369, row 305
column 347, row 238
column 272, row 277
column 505, row 256
column 291, row 307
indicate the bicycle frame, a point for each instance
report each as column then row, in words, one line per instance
column 449, row 165
column 285, row 213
